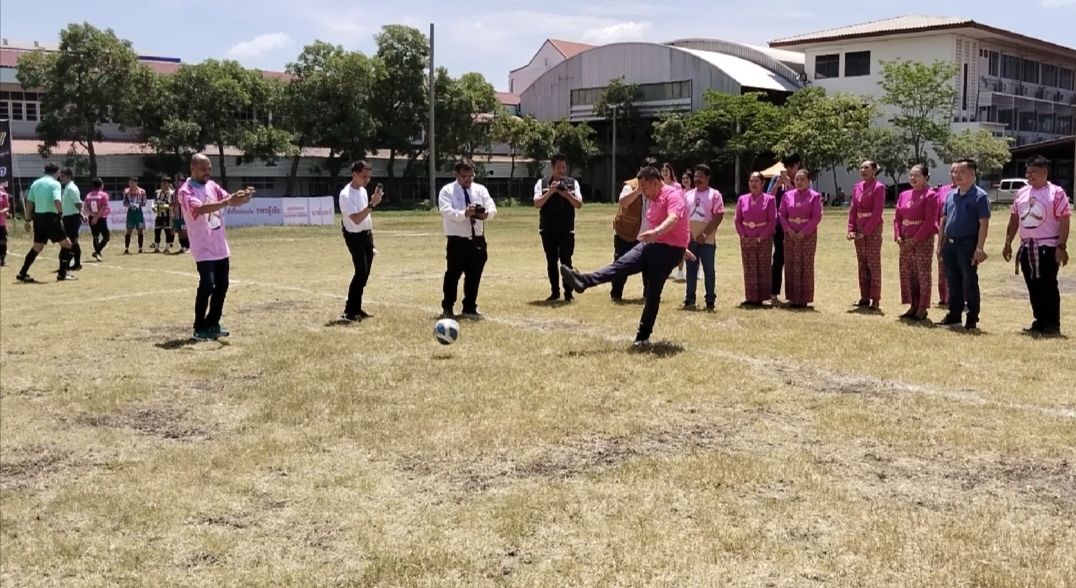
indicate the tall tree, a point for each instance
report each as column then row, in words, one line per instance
column 509, row 129
column 886, row 147
column 400, row 95
column 226, row 101
column 327, row 104
column 989, row 152
column 921, row 97
column 824, row 129
column 87, row 82
column 577, row 143
column 538, row 143
column 465, row 109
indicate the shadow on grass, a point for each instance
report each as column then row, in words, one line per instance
column 549, row 303
column 918, row 323
column 754, row 307
column 630, row 302
column 186, row 342
column 1045, row 336
column 590, row 352
column 867, row 311
column 660, row 349
column 339, row 323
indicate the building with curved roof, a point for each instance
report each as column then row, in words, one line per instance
column 671, row 77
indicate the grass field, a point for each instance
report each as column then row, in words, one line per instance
column 748, row 448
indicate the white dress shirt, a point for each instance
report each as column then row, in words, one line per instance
column 453, row 205
column 538, row 191
column 353, row 201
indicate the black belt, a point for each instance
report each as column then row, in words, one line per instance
column 961, row 239
column 455, row 238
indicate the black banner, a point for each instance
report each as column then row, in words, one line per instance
column 7, row 173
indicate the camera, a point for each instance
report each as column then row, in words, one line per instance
column 566, row 184
column 479, row 210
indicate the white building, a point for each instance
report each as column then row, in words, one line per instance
column 1008, row 83
column 549, row 55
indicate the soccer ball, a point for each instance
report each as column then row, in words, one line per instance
column 446, row 331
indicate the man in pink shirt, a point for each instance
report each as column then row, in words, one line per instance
column 97, row 210
column 202, row 202
column 1041, row 213
column 660, row 250
column 5, row 209
column 706, row 210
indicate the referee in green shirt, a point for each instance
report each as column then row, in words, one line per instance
column 71, row 202
column 44, row 206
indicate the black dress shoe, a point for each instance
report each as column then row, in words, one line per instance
column 364, row 315
column 553, row 297
column 1034, row 328
column 971, row 326
column 949, row 320
column 862, row 302
column 572, row 279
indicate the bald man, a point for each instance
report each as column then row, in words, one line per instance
column 202, row 201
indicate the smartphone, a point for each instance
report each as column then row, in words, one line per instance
column 378, row 188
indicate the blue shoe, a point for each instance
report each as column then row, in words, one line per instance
column 203, row 335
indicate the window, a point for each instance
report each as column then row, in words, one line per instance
column 31, row 111
column 857, row 63
column 1010, row 67
column 1064, row 78
column 994, row 62
column 1049, row 75
column 1064, row 125
column 16, row 111
column 1030, row 71
column 827, row 66
column 263, row 184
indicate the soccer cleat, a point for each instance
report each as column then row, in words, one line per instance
column 25, row 278
column 140, row 251
column 96, row 255
column 351, row 318
column 65, row 278
column 153, row 249
column 126, row 251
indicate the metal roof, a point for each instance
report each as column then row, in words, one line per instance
column 888, row 25
column 746, row 73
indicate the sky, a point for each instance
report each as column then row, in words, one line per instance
column 491, row 37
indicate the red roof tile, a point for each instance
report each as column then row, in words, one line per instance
column 508, row 98
column 569, row 48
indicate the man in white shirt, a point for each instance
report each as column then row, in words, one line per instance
column 465, row 207
column 706, row 210
column 557, row 197
column 358, row 229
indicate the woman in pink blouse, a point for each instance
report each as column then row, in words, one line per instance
column 800, row 214
column 865, row 229
column 756, row 219
column 914, row 226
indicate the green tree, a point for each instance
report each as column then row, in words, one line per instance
column 577, row 143
column 90, row 80
column 921, row 97
column 400, row 98
column 823, row 129
column 327, row 104
column 886, row 147
column 632, row 129
column 537, row 143
column 465, row 109
column 225, row 100
column 989, row 152
column 509, row 129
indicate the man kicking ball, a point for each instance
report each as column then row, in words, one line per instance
column 660, row 251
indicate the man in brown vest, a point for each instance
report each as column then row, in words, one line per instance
column 630, row 220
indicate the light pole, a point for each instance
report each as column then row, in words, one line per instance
column 612, row 178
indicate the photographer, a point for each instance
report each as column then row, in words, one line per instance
column 557, row 197
column 465, row 207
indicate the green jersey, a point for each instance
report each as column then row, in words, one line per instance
column 44, row 193
column 72, row 199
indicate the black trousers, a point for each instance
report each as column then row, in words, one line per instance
column 656, row 261
column 99, row 234
column 558, row 248
column 3, row 242
column 72, row 225
column 361, row 247
column 620, row 247
column 962, row 276
column 778, row 271
column 212, row 289
column 1042, row 290
column 467, row 258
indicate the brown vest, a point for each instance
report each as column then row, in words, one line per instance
column 629, row 217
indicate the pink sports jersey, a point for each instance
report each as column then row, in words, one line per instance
column 1040, row 211
column 5, row 202
column 96, row 204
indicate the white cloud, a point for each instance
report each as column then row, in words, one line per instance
column 617, row 32
column 259, row 46
column 1056, row 3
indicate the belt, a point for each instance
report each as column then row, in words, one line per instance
column 911, row 223
column 753, row 224
column 865, row 214
column 960, row 239
column 456, row 238
column 798, row 219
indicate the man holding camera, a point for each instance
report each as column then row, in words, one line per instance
column 465, row 207
column 557, row 197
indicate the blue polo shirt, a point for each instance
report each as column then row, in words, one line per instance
column 964, row 211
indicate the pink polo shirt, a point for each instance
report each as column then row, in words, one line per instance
column 670, row 201
column 801, row 211
column 205, row 231
column 865, row 211
column 1040, row 211
column 916, row 216
column 756, row 217
column 5, row 202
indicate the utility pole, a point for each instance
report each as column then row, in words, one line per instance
column 432, row 154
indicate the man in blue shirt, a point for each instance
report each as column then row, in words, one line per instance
column 964, row 224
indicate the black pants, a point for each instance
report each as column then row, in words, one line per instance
column 778, row 271
column 962, row 276
column 212, row 289
column 361, row 248
column 72, row 225
column 655, row 261
column 163, row 223
column 3, row 242
column 466, row 257
column 99, row 234
column 558, row 248
column 620, row 247
column 1043, row 292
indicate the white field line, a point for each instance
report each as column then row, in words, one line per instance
column 769, row 365
column 94, row 300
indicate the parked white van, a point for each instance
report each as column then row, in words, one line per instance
column 1006, row 191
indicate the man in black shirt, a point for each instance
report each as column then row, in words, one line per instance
column 557, row 197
